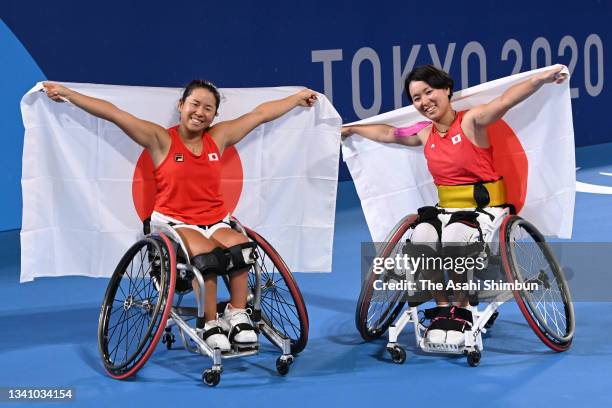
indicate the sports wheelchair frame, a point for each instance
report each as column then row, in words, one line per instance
column 139, row 309
column 523, row 256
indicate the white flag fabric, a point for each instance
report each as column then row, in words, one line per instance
column 80, row 192
column 533, row 148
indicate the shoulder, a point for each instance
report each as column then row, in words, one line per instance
column 468, row 117
column 217, row 131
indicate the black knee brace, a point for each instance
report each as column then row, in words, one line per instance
column 429, row 215
column 213, row 262
column 240, row 256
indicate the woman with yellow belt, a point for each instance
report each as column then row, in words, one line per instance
column 471, row 192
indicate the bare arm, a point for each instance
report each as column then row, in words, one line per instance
column 381, row 133
column 233, row 131
column 480, row 117
column 146, row 134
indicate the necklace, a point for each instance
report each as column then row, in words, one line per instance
column 441, row 132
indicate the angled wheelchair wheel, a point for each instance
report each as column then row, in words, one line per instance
column 527, row 259
column 377, row 310
column 282, row 306
column 136, row 306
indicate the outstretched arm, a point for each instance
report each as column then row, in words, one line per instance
column 387, row 134
column 232, row 131
column 146, row 134
column 484, row 115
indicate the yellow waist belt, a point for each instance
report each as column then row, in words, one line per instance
column 477, row 195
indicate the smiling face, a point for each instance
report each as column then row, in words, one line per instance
column 430, row 102
column 198, row 110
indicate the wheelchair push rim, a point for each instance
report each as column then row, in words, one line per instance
column 374, row 318
column 282, row 305
column 549, row 312
column 136, row 306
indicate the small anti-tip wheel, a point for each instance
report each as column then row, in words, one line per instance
column 168, row 339
column 491, row 320
column 398, row 354
column 282, row 366
column 211, row 378
column 473, row 358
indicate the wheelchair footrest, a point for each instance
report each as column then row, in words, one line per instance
column 242, row 350
column 240, row 347
column 442, row 348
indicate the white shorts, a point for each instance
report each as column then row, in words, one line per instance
column 206, row 230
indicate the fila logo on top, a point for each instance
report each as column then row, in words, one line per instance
column 213, row 157
column 456, row 139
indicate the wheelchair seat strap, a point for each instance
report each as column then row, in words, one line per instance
column 476, row 195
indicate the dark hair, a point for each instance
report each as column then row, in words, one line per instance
column 432, row 76
column 201, row 83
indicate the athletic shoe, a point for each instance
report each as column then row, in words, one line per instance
column 214, row 336
column 241, row 328
column 449, row 325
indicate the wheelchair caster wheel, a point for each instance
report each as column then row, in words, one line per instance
column 398, row 354
column 211, row 378
column 282, row 366
column 491, row 320
column 473, row 358
column 168, row 339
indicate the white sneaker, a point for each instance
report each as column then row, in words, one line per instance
column 436, row 336
column 455, row 338
column 214, row 336
column 240, row 324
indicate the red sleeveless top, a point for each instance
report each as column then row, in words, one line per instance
column 453, row 160
column 188, row 185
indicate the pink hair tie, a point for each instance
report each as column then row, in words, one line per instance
column 411, row 130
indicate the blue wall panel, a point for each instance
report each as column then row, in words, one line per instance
column 355, row 51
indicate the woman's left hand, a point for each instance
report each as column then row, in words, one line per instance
column 554, row 75
column 307, row 97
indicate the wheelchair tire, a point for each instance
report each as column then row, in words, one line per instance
column 282, row 305
column 549, row 311
column 136, row 306
column 374, row 318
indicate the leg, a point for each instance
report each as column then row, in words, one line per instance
column 226, row 238
column 197, row 244
column 461, row 235
column 425, row 234
column 241, row 328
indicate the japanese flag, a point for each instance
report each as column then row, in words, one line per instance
column 87, row 186
column 533, row 149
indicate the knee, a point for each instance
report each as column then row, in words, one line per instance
column 459, row 233
column 213, row 263
column 425, row 234
column 225, row 261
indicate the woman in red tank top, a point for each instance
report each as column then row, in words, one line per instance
column 187, row 173
column 459, row 157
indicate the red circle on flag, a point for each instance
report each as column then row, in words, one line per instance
column 510, row 161
column 143, row 182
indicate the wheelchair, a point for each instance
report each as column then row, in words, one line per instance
column 521, row 254
column 139, row 306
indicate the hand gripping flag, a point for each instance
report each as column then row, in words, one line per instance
column 87, row 186
column 533, row 149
